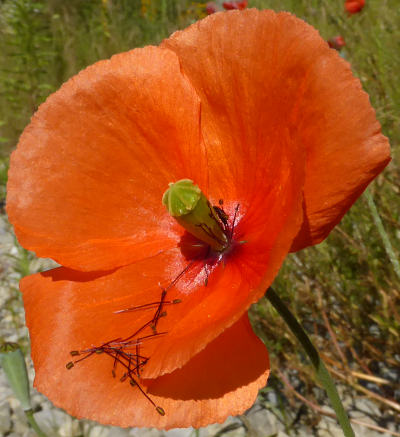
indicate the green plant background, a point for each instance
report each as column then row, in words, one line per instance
column 345, row 291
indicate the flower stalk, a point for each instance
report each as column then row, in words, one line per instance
column 34, row 425
column 312, row 353
column 13, row 363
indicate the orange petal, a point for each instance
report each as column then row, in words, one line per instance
column 267, row 187
column 86, row 181
column 268, row 82
column 240, row 279
column 345, row 147
column 223, row 379
column 86, row 307
column 253, row 161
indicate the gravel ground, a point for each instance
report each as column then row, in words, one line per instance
column 258, row 421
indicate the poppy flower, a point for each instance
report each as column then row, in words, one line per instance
column 354, row 6
column 272, row 128
column 337, row 42
column 211, row 8
column 235, row 5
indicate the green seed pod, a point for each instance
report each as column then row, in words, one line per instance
column 190, row 208
column 13, row 363
column 181, row 197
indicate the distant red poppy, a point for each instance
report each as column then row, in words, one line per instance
column 235, row 5
column 354, row 6
column 211, row 8
column 278, row 134
column 336, row 42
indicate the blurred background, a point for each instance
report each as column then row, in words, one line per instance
column 345, row 291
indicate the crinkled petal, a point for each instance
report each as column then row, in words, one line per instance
column 265, row 79
column 223, row 379
column 86, row 181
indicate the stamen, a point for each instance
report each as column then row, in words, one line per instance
column 114, row 366
column 222, row 215
column 138, row 340
column 234, row 222
column 160, row 411
column 158, row 312
column 89, row 354
column 126, row 352
column 207, row 274
column 138, row 331
column 148, row 306
column 138, row 360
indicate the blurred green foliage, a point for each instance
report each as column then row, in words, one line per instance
column 44, row 42
column 345, row 291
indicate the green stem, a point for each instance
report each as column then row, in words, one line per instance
column 383, row 234
column 322, row 372
column 33, row 423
